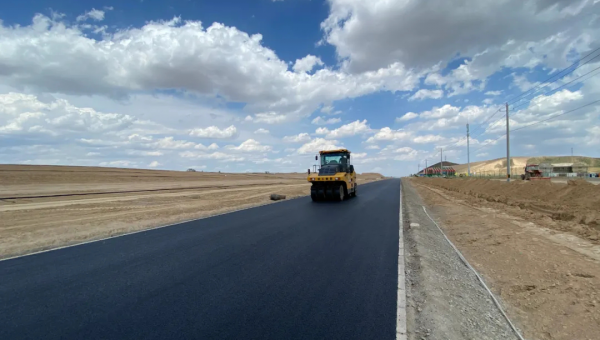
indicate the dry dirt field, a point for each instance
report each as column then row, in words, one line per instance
column 535, row 243
column 43, row 207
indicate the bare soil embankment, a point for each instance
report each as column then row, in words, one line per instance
column 574, row 207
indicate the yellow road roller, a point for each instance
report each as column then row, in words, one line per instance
column 336, row 179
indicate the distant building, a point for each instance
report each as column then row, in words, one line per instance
column 562, row 168
column 435, row 169
column 580, row 168
column 569, row 169
column 545, row 168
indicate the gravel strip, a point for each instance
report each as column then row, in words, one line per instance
column 444, row 298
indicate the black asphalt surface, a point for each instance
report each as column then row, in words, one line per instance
column 290, row 270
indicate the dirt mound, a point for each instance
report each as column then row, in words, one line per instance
column 577, row 202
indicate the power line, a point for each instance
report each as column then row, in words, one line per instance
column 538, row 122
column 488, row 143
column 533, row 90
column 452, row 147
column 558, row 115
column 539, row 86
column 501, row 119
column 424, row 159
column 490, row 117
column 560, row 87
column 514, row 108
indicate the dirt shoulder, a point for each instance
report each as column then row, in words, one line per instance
column 444, row 297
column 545, row 270
column 68, row 205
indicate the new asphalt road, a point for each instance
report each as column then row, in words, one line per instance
column 291, row 270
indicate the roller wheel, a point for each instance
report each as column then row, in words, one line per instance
column 354, row 192
column 320, row 194
column 330, row 193
column 339, row 193
column 314, row 194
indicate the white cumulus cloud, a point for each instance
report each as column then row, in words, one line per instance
column 354, row 28
column 262, row 131
column 387, row 134
column 158, row 55
column 426, row 139
column 251, row 145
column 407, row 116
column 214, row 132
column 322, row 121
column 299, row 138
column 425, row 94
column 220, row 156
column 317, row 145
column 348, row 130
column 94, row 14
column 307, row 63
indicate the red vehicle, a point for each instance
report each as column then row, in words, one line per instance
column 531, row 171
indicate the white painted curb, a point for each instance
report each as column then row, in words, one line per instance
column 401, row 300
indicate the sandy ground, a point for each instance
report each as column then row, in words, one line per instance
column 493, row 166
column 535, row 244
column 43, row 207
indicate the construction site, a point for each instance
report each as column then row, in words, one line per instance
column 548, row 167
column 536, row 244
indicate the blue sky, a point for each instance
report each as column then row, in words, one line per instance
column 263, row 85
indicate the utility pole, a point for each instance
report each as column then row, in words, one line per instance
column 426, row 170
column 468, row 154
column 418, row 168
column 441, row 161
column 572, row 161
column 507, row 146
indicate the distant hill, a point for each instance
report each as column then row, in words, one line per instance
column 494, row 166
column 498, row 165
column 592, row 162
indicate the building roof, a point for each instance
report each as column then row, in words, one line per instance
column 562, row 165
column 446, row 163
